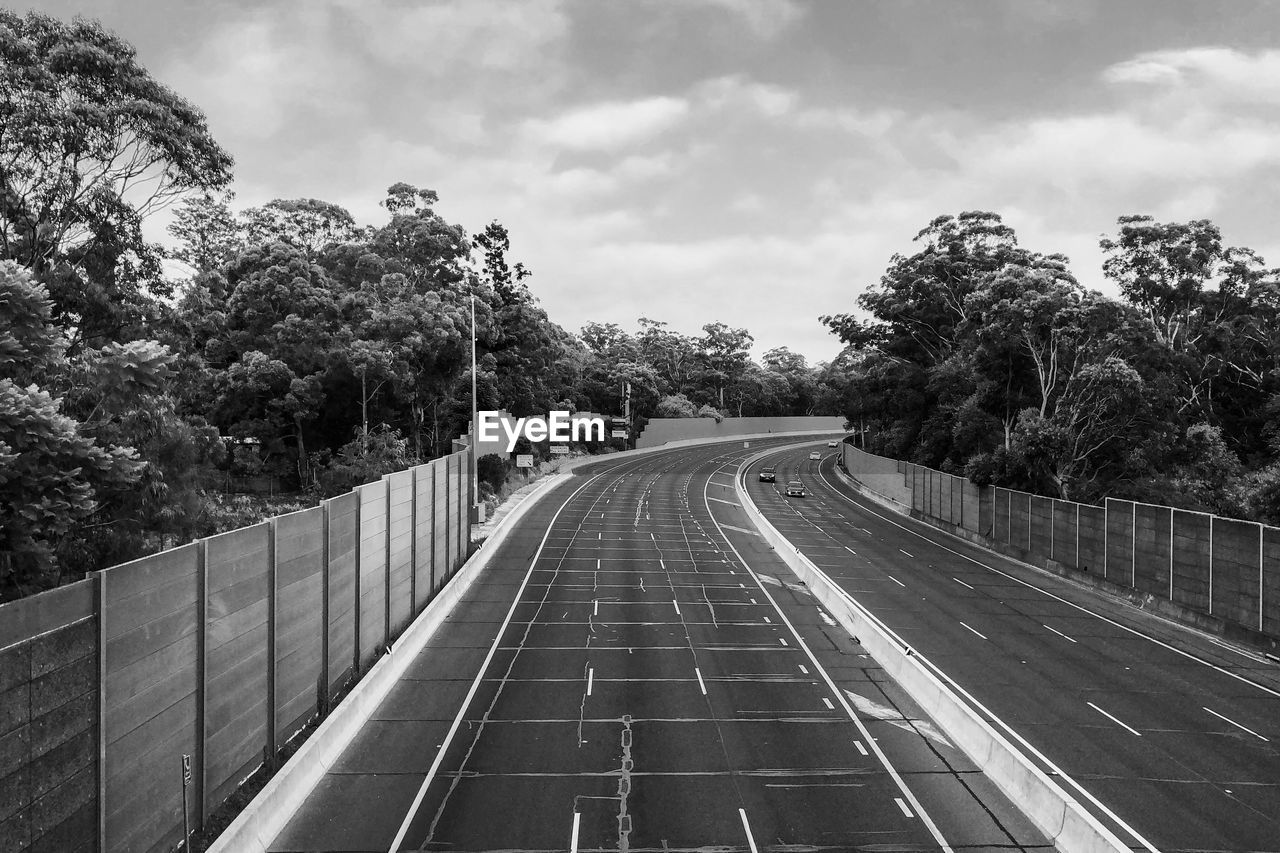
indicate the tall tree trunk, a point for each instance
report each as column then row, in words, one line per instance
column 304, row 465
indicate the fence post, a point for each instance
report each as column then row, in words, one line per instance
column 1261, row 530
column 355, row 610
column 1133, row 545
column 1053, row 514
column 202, row 676
column 1211, row 518
column 448, row 519
column 413, row 541
column 435, row 504
column 100, row 607
column 272, row 593
column 386, row 560
column 1106, row 535
column 1171, row 553
column 322, row 701
column 1030, row 520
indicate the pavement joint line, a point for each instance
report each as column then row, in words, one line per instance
column 974, row 630
column 1113, row 719
column 1234, row 723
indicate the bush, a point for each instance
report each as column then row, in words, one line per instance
column 492, row 470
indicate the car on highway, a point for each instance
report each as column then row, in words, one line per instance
column 795, row 489
column 815, row 455
column 833, row 443
column 768, row 474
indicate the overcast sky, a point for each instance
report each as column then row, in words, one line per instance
column 754, row 162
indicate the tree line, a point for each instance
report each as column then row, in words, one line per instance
column 977, row 356
column 296, row 343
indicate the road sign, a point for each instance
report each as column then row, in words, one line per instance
column 559, row 450
column 524, row 460
column 620, row 433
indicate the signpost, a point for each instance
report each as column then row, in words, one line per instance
column 559, row 450
column 524, row 460
column 619, row 433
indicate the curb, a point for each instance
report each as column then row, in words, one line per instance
column 1054, row 812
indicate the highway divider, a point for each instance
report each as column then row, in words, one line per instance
column 268, row 813
column 1046, row 804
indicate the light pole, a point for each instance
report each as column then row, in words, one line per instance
column 475, row 428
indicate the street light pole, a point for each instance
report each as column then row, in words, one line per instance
column 475, row 427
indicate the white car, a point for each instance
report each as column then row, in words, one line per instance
column 815, row 455
column 833, row 443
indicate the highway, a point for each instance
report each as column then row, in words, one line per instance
column 1170, row 737
column 637, row 671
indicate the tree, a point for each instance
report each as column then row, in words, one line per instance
column 90, row 143
column 209, row 234
column 306, row 223
column 676, row 406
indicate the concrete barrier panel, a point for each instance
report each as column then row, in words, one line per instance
column 1191, row 559
column 1237, row 547
column 1118, row 567
column 1152, row 538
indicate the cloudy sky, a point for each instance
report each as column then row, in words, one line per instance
column 754, row 162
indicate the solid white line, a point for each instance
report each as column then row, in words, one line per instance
column 827, row 702
column 860, row 747
column 826, row 676
column 475, row 685
column 1029, row 585
column 962, row 583
column 746, row 827
column 803, row 668
column 906, row 811
column 1234, row 723
column 1059, row 633
column 850, row 550
column 1114, row 720
column 895, row 580
column 676, row 605
column 591, row 674
column 976, row 632
column 908, row 553
column 718, row 500
column 701, row 686
column 573, row 839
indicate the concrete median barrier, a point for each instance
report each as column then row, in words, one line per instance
column 1047, row 804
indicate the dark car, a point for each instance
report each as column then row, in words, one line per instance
column 795, row 489
column 768, row 475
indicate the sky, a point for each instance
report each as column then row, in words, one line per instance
column 752, row 162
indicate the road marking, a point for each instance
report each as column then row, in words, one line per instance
column 962, row 583
column 752, row 600
column 1079, row 607
column 850, row 550
column 739, row 529
column 1114, row 720
column 573, row 839
column 746, row 827
column 475, row 684
column 591, row 675
column 827, row 702
column 766, row 621
column 1060, row 634
column 782, row 640
column 701, row 685
column 906, row 811
column 976, row 632
column 862, row 749
column 595, row 607
column 826, row 676
column 908, row 553
column 676, row 605
column 720, row 500
column 803, row 668
column 895, row 580
column 1234, row 723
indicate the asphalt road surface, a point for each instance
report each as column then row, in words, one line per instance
column 637, row 671
column 1172, row 738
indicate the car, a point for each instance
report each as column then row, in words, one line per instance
column 795, row 489
column 815, row 455
column 768, row 474
column 833, row 443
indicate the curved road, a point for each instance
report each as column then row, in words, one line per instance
column 637, row 671
column 1169, row 736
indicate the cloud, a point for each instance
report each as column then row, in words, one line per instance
column 1217, row 73
column 610, row 125
column 764, row 18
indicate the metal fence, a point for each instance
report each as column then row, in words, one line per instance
column 219, row 650
column 1220, row 566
